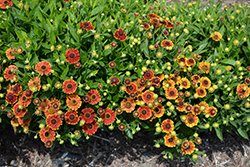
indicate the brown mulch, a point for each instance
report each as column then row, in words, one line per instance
column 113, row 149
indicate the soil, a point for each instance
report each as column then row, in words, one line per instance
column 115, row 150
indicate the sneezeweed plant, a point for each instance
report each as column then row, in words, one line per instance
column 70, row 69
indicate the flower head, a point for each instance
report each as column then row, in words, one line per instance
column 73, row 101
column 144, row 113
column 86, row 25
column 88, row 115
column 43, row 68
column 167, row 126
column 90, row 128
column 69, row 86
column 72, row 56
column 120, row 34
column 54, row 121
column 94, row 97
column 108, row 117
column 216, row 36
column 128, row 105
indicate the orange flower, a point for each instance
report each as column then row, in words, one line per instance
column 86, row 25
column 19, row 112
column 128, row 105
column 72, row 56
column 169, row 24
column 55, row 104
column 11, row 98
column 205, row 82
column 201, row 92
column 120, row 34
column 88, row 115
column 167, row 126
column 47, row 134
column 188, row 147
column 158, row 110
column 43, row 68
column 73, row 101
column 54, row 121
column 216, row 36
column 35, row 82
column 71, row 117
column 204, row 67
column 148, row 96
column 196, row 110
column 108, row 117
column 203, row 103
column 90, row 128
column 9, row 73
column 69, row 86
column 5, row 3
column 243, row 89
column 24, row 100
column 139, row 85
column 94, row 97
column 212, row 111
column 131, row 88
column 148, row 75
column 192, row 120
column 190, row 62
column 172, row 93
column 167, row 43
column 196, row 78
column 144, row 113
column 169, row 140
column 185, row 83
column 10, row 53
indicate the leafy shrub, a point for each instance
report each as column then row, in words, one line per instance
column 71, row 68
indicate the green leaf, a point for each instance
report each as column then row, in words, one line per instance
column 219, row 133
column 116, row 98
column 186, row 130
column 65, row 71
column 243, row 133
column 229, row 61
column 73, row 32
column 97, row 10
column 129, row 133
column 145, row 126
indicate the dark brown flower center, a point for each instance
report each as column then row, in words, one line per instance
column 53, row 121
column 144, row 112
column 10, row 97
column 170, row 140
column 72, row 117
column 148, row 96
column 205, row 82
column 46, row 134
column 15, row 88
column 201, row 91
column 72, row 55
column 90, row 126
column 86, row 24
column 6, row 3
column 167, row 126
column 69, row 86
column 43, row 68
column 190, row 120
column 87, row 115
column 120, row 33
column 172, row 93
column 107, row 115
column 128, row 104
